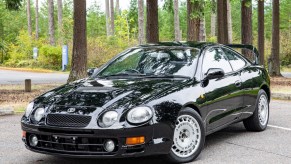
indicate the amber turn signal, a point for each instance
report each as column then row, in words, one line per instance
column 23, row 134
column 135, row 140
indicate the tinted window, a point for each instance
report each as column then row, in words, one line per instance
column 214, row 58
column 235, row 60
column 153, row 61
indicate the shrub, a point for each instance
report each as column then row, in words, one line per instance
column 50, row 57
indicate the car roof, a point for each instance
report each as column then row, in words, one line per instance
column 199, row 45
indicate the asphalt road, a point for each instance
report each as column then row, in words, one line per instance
column 286, row 74
column 17, row 77
column 231, row 145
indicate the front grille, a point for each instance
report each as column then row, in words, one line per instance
column 72, row 144
column 68, row 120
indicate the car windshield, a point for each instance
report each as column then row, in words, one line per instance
column 154, row 62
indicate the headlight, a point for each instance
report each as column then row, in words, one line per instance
column 29, row 109
column 139, row 115
column 38, row 114
column 109, row 118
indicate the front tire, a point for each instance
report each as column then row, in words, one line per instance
column 260, row 118
column 189, row 137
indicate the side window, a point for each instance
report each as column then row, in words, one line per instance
column 235, row 60
column 214, row 58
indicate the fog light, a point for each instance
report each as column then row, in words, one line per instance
column 109, row 145
column 33, row 140
column 135, row 140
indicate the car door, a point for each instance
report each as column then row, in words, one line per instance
column 248, row 75
column 223, row 95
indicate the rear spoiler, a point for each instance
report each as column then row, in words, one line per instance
column 249, row 47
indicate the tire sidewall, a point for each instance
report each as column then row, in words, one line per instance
column 262, row 92
column 172, row 156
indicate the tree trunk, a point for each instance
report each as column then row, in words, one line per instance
column 246, row 26
column 213, row 19
column 202, row 32
column 275, row 59
column 152, row 21
column 229, row 22
column 60, row 20
column 107, row 13
column 112, row 17
column 29, row 18
column 222, row 36
column 79, row 57
column 261, row 31
column 36, row 20
column 117, row 8
column 193, row 20
column 51, row 22
column 140, row 21
column 177, row 21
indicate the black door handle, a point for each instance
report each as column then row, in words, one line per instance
column 238, row 83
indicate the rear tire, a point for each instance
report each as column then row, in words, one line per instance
column 260, row 118
column 189, row 137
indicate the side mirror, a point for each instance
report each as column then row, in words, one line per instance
column 91, row 71
column 214, row 73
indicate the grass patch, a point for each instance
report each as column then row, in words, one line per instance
column 14, row 95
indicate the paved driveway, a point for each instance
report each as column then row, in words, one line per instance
column 231, row 145
column 17, row 77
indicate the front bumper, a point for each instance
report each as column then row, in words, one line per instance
column 84, row 143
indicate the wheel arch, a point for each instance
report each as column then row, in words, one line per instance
column 193, row 106
column 266, row 88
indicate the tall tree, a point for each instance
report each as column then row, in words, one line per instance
column 213, row 19
column 117, row 8
column 246, row 26
column 79, row 57
column 112, row 17
column 178, row 36
column 222, row 36
column 274, row 65
column 51, row 21
column 29, row 28
column 229, row 21
column 202, row 32
column 140, row 21
column 60, row 20
column 194, row 10
column 107, row 13
column 261, row 31
column 152, row 28
column 36, row 20
column 132, row 18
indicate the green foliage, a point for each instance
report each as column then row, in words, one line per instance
column 20, row 53
column 102, row 49
column 13, row 4
column 17, row 45
column 50, row 57
column 133, row 18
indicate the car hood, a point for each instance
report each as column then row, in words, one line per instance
column 87, row 95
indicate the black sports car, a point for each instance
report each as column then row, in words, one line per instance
column 152, row 99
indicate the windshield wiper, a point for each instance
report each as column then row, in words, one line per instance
column 121, row 74
column 166, row 76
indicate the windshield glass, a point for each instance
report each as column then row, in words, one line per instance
column 152, row 61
